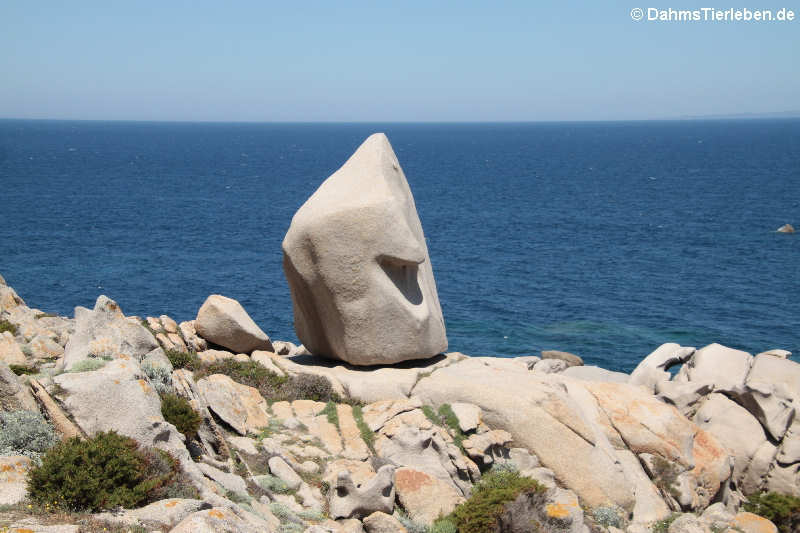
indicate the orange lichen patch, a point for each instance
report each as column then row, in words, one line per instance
column 116, row 381
column 143, row 384
column 411, row 480
column 123, row 356
column 22, row 530
column 558, row 510
column 6, row 468
column 216, row 514
column 752, row 523
column 172, row 503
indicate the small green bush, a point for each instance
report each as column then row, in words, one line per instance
column 367, row 435
column 497, row 487
column 608, row 516
column 443, row 525
column 185, row 360
column 25, row 433
column 5, row 325
column 23, row 369
column 273, row 484
column 783, row 510
column 662, row 526
column 178, row 412
column 104, row 472
column 89, row 365
column 331, row 413
column 272, row 387
column 160, row 377
column 451, row 420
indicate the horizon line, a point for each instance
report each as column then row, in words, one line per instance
column 779, row 115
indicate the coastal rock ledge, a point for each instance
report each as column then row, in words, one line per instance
column 294, row 442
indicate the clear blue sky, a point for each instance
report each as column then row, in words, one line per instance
column 387, row 60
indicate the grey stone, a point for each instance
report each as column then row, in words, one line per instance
column 13, row 478
column 687, row 523
column 570, row 358
column 469, row 415
column 105, row 332
column 224, row 321
column 595, row 373
column 780, row 354
column 346, row 500
column 281, row 469
column 653, row 368
column 219, row 520
column 721, row 366
column 230, row 482
column 379, row 522
column 550, row 366
column 786, row 228
column 358, row 267
column 734, row 427
column 13, row 395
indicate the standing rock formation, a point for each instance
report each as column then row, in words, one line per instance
column 358, row 267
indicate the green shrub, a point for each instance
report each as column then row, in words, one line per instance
column 178, row 412
column 89, row 365
column 273, row 484
column 25, row 433
column 443, row 525
column 608, row 516
column 662, row 526
column 272, row 387
column 23, row 369
column 497, row 487
column 783, row 510
column 367, row 435
column 103, row 472
column 331, row 413
column 451, row 420
column 178, row 359
column 160, row 377
column 5, row 325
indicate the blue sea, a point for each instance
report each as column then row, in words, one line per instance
column 602, row 239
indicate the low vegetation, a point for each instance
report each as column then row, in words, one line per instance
column 662, row 526
column 105, row 472
column 90, row 365
column 272, row 387
column 367, row 435
column 25, row 433
column 178, row 412
column 489, row 496
column 782, row 509
column 160, row 377
column 445, row 417
column 331, row 413
column 186, row 360
column 23, row 369
column 5, row 325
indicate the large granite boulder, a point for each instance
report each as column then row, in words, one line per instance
column 224, row 321
column 358, row 267
column 105, row 332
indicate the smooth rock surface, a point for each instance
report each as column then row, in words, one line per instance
column 424, row 497
column 224, row 321
column 358, row 266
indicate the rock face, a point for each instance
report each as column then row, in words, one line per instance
column 786, row 228
column 224, row 321
column 13, row 478
column 104, row 332
column 358, row 268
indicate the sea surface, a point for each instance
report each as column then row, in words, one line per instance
column 602, row 239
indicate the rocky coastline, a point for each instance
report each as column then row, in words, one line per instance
column 388, row 433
